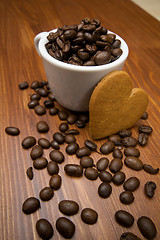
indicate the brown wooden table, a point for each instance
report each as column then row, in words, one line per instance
column 20, row 21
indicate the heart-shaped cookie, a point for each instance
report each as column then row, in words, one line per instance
column 115, row 105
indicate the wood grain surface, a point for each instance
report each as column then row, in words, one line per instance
column 20, row 22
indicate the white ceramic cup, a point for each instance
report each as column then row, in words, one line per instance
column 73, row 85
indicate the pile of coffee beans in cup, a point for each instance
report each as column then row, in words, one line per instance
column 85, row 44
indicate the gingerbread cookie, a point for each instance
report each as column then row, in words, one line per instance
column 115, row 105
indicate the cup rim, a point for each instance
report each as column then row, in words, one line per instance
column 72, row 67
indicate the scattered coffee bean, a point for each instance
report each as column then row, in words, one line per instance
column 58, row 137
column 30, row 205
column 63, row 127
column 145, row 129
column 62, row 115
column 35, row 96
column 118, row 178
column 74, row 170
column 33, row 103
column 149, row 169
column 53, row 111
column 35, row 84
column 144, row 116
column 46, row 194
column 89, row 216
column 39, row 110
column 51, row 96
column 104, row 190
column 129, row 236
column 68, row 207
column 102, row 164
column 91, row 145
column 125, row 133
column 73, row 131
column 142, row 139
column 56, row 156
column 83, row 151
column 52, row 168
column 117, row 153
column 80, row 124
column 28, row 142
column 129, row 142
column 147, row 227
column 115, row 165
column 149, row 189
column 42, row 92
column 83, row 117
column 65, row 227
column 126, row 197
column 72, row 148
column 124, row 218
column 44, row 143
column 91, row 173
column 40, row 163
column 131, row 151
column 71, row 119
column 23, row 85
column 14, row 131
column 43, row 83
column 49, row 103
column 86, row 162
column 36, row 152
column 116, row 139
column 42, row 127
column 107, row 147
column 131, row 184
column 70, row 138
column 55, row 182
column 55, row 145
column 105, row 176
column 44, row 229
column 134, row 163
column 29, row 173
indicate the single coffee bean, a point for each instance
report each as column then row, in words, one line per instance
column 126, row 197
column 43, row 83
column 51, row 96
column 42, row 92
column 46, row 194
column 71, row 119
column 73, row 132
column 115, row 165
column 55, row 145
column 52, row 168
column 62, row 115
column 131, row 184
column 107, row 147
column 145, row 129
column 118, row 178
column 35, row 96
column 39, row 110
column 56, row 156
column 116, row 52
column 14, row 131
column 83, row 151
column 44, row 143
column 86, row 162
column 55, row 182
column 58, row 137
column 80, row 124
column 149, row 189
column 74, row 170
column 23, row 85
column 102, row 57
column 147, row 227
column 102, row 164
column 131, row 151
column 125, row 133
column 72, row 148
column 35, row 84
column 89, row 216
column 129, row 142
column 142, row 139
column 29, row 173
column 65, row 227
column 117, row 153
column 36, row 152
column 144, row 116
column 70, row 138
column 91, row 145
column 42, row 127
column 40, row 163
column 91, row 173
column 33, row 103
column 129, row 236
column 116, row 139
column 28, row 142
column 44, row 229
column 68, row 207
column 134, row 163
column 149, row 169
column 84, row 117
column 104, row 190
column 63, row 127
column 53, row 111
column 105, row 176
column 49, row 103
column 30, row 205
column 124, row 218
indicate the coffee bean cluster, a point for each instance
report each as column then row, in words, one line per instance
column 119, row 145
column 85, row 44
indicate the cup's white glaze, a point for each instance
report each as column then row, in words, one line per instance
column 72, row 85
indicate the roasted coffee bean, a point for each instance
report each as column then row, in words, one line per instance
column 124, row 218
column 28, row 142
column 83, row 117
column 70, row 138
column 91, row 145
column 29, row 173
column 102, row 164
column 53, row 111
column 115, row 165
column 73, row 131
column 145, row 129
column 147, row 227
column 129, row 142
column 86, row 162
column 144, row 116
column 49, row 103
column 107, row 147
column 36, row 152
column 40, row 163
column 65, row 227
column 116, row 52
column 42, row 92
column 118, row 178
column 134, row 163
column 89, row 63
column 125, row 133
column 126, row 197
column 14, row 131
column 72, row 148
column 104, row 190
column 68, row 207
column 55, row 145
column 116, row 44
column 35, row 84
column 46, row 194
column 30, row 205
column 44, row 229
column 63, row 127
column 117, row 153
column 35, row 96
column 116, row 139
column 56, row 156
column 91, row 173
column 149, row 169
column 131, row 151
column 89, row 216
column 74, row 170
column 42, row 127
column 39, row 110
column 51, row 96
column 83, row 54
column 71, row 119
column 23, row 85
column 105, row 176
column 44, row 143
column 62, row 115
column 102, row 57
column 55, row 182
column 69, row 34
column 80, row 124
column 149, row 189
column 52, row 168
column 43, row 83
column 83, row 151
column 131, row 184
column 58, row 137
column 33, row 103
column 142, row 139
column 129, row 236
